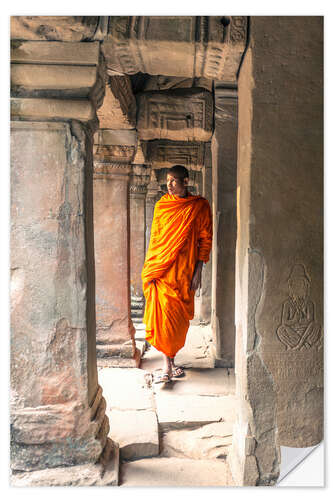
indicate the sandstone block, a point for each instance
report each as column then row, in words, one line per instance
column 176, row 115
column 136, row 432
column 209, row 441
column 186, row 411
column 176, row 472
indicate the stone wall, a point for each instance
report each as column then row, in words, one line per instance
column 279, row 301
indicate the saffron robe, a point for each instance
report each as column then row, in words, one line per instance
column 181, row 234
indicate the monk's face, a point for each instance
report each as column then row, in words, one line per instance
column 176, row 186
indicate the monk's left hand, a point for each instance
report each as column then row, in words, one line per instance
column 196, row 279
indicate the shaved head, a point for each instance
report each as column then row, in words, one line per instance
column 178, row 171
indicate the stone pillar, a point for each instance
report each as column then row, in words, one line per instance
column 206, row 287
column 224, row 178
column 151, row 198
column 139, row 180
column 279, row 264
column 57, row 410
column 114, row 152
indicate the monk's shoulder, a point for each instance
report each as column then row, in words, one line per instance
column 205, row 206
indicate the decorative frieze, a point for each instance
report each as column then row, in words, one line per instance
column 182, row 46
column 139, row 179
column 163, row 82
column 164, row 153
column 176, row 45
column 176, row 115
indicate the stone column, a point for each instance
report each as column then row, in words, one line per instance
column 151, row 198
column 139, row 180
column 279, row 264
column 58, row 419
column 206, row 289
column 114, row 152
column 224, row 179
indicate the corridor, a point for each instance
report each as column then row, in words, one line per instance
column 175, row 434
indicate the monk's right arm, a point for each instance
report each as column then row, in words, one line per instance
column 205, row 234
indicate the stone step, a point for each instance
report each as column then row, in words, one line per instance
column 136, row 432
column 191, row 411
column 207, row 442
column 162, row 471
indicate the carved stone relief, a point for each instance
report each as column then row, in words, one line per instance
column 176, row 115
column 184, row 46
column 162, row 82
column 165, row 153
column 298, row 329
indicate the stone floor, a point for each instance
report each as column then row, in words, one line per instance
column 175, row 434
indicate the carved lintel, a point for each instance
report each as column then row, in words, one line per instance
column 117, row 154
column 162, row 82
column 179, row 114
column 107, row 169
column 165, row 153
column 161, row 45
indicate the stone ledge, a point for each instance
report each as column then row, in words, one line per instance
column 119, row 362
column 136, row 432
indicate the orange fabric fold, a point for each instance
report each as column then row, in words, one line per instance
column 181, row 234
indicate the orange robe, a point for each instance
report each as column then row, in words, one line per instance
column 181, row 234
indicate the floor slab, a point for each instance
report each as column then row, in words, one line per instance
column 190, row 411
column 175, row 472
column 125, row 389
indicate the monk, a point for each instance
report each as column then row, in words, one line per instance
column 180, row 242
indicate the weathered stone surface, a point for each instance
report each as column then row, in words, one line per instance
column 151, row 199
column 72, row 54
column 136, row 432
column 202, row 46
column 61, row 28
column 139, row 179
column 279, row 278
column 164, row 153
column 197, row 351
column 209, row 441
column 119, row 106
column 52, row 305
column 104, row 473
column 111, row 227
column 125, row 389
column 176, row 472
column 185, row 115
column 192, row 411
column 224, row 183
column 51, row 109
column 162, row 82
column 206, row 283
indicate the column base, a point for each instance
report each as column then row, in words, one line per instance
column 119, row 361
column 104, row 473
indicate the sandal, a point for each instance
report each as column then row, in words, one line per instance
column 164, row 378
column 178, row 372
